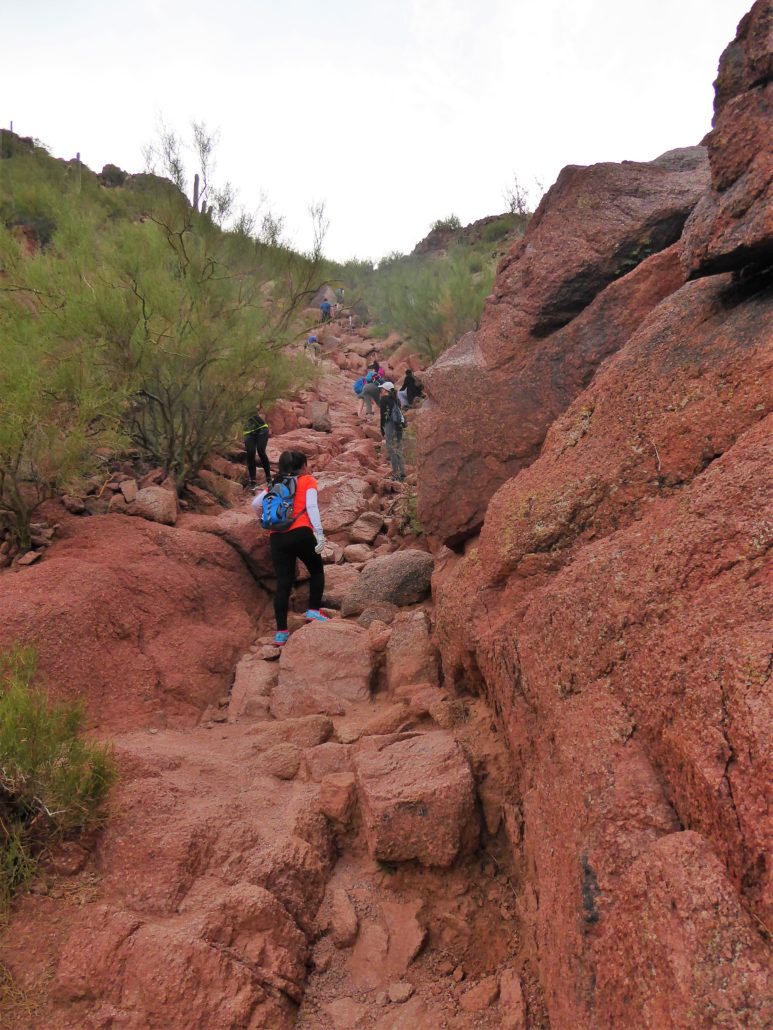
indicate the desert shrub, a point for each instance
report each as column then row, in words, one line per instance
column 52, row 782
column 195, row 323
column 112, row 175
column 142, row 322
column 475, row 264
column 497, row 230
column 446, row 224
column 431, row 301
column 56, row 412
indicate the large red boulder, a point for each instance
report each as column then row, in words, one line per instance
column 732, row 226
column 594, row 262
column 141, row 621
column 616, row 611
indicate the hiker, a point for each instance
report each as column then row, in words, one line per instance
column 379, row 371
column 370, row 393
column 312, row 345
column 392, row 425
column 255, row 440
column 410, row 390
column 324, row 310
column 302, row 539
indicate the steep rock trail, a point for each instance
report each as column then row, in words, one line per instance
column 324, row 847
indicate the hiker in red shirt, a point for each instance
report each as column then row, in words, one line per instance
column 303, row 539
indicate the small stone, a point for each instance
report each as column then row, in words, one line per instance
column 382, row 999
column 445, row 967
column 129, row 489
column 337, row 797
column 400, row 992
column 458, row 974
column 511, row 1001
column 323, row 956
column 153, row 730
column 481, row 996
column 344, row 924
column 282, row 761
column 74, row 505
column 29, row 558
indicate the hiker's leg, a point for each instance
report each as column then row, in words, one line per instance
column 250, row 445
column 283, row 557
column 389, row 439
column 366, row 400
column 399, row 453
column 262, row 442
column 313, row 562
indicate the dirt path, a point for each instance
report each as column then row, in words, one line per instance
column 324, row 850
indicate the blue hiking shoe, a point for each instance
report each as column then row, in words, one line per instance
column 314, row 615
column 280, row 637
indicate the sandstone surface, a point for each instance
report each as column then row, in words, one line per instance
column 417, row 799
column 141, row 621
column 323, row 669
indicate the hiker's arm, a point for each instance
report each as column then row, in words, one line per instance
column 257, row 503
column 312, row 510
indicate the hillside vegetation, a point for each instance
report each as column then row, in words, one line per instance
column 434, row 295
column 128, row 318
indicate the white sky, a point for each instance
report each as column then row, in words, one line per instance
column 393, row 112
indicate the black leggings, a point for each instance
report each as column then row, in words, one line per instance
column 285, row 548
column 257, row 442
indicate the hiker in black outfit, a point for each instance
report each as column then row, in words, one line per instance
column 255, row 442
column 410, row 390
column 392, row 423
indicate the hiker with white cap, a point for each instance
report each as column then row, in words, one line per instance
column 392, row 426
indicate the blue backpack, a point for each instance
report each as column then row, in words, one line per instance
column 277, row 507
column 358, row 385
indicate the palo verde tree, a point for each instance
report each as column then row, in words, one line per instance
column 195, row 324
column 431, row 301
column 56, row 411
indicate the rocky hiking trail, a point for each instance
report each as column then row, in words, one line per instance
column 316, row 846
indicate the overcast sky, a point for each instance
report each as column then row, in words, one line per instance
column 392, row 112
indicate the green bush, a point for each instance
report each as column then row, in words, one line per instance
column 446, row 224
column 52, row 783
column 141, row 321
column 497, row 230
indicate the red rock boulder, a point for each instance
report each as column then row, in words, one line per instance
column 732, row 226
column 417, row 798
column 142, row 622
column 484, row 422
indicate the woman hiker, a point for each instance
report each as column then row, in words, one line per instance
column 370, row 393
column 305, row 539
column 392, row 424
column 255, row 441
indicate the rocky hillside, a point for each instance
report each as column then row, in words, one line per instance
column 521, row 778
column 497, row 232
column 602, row 447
